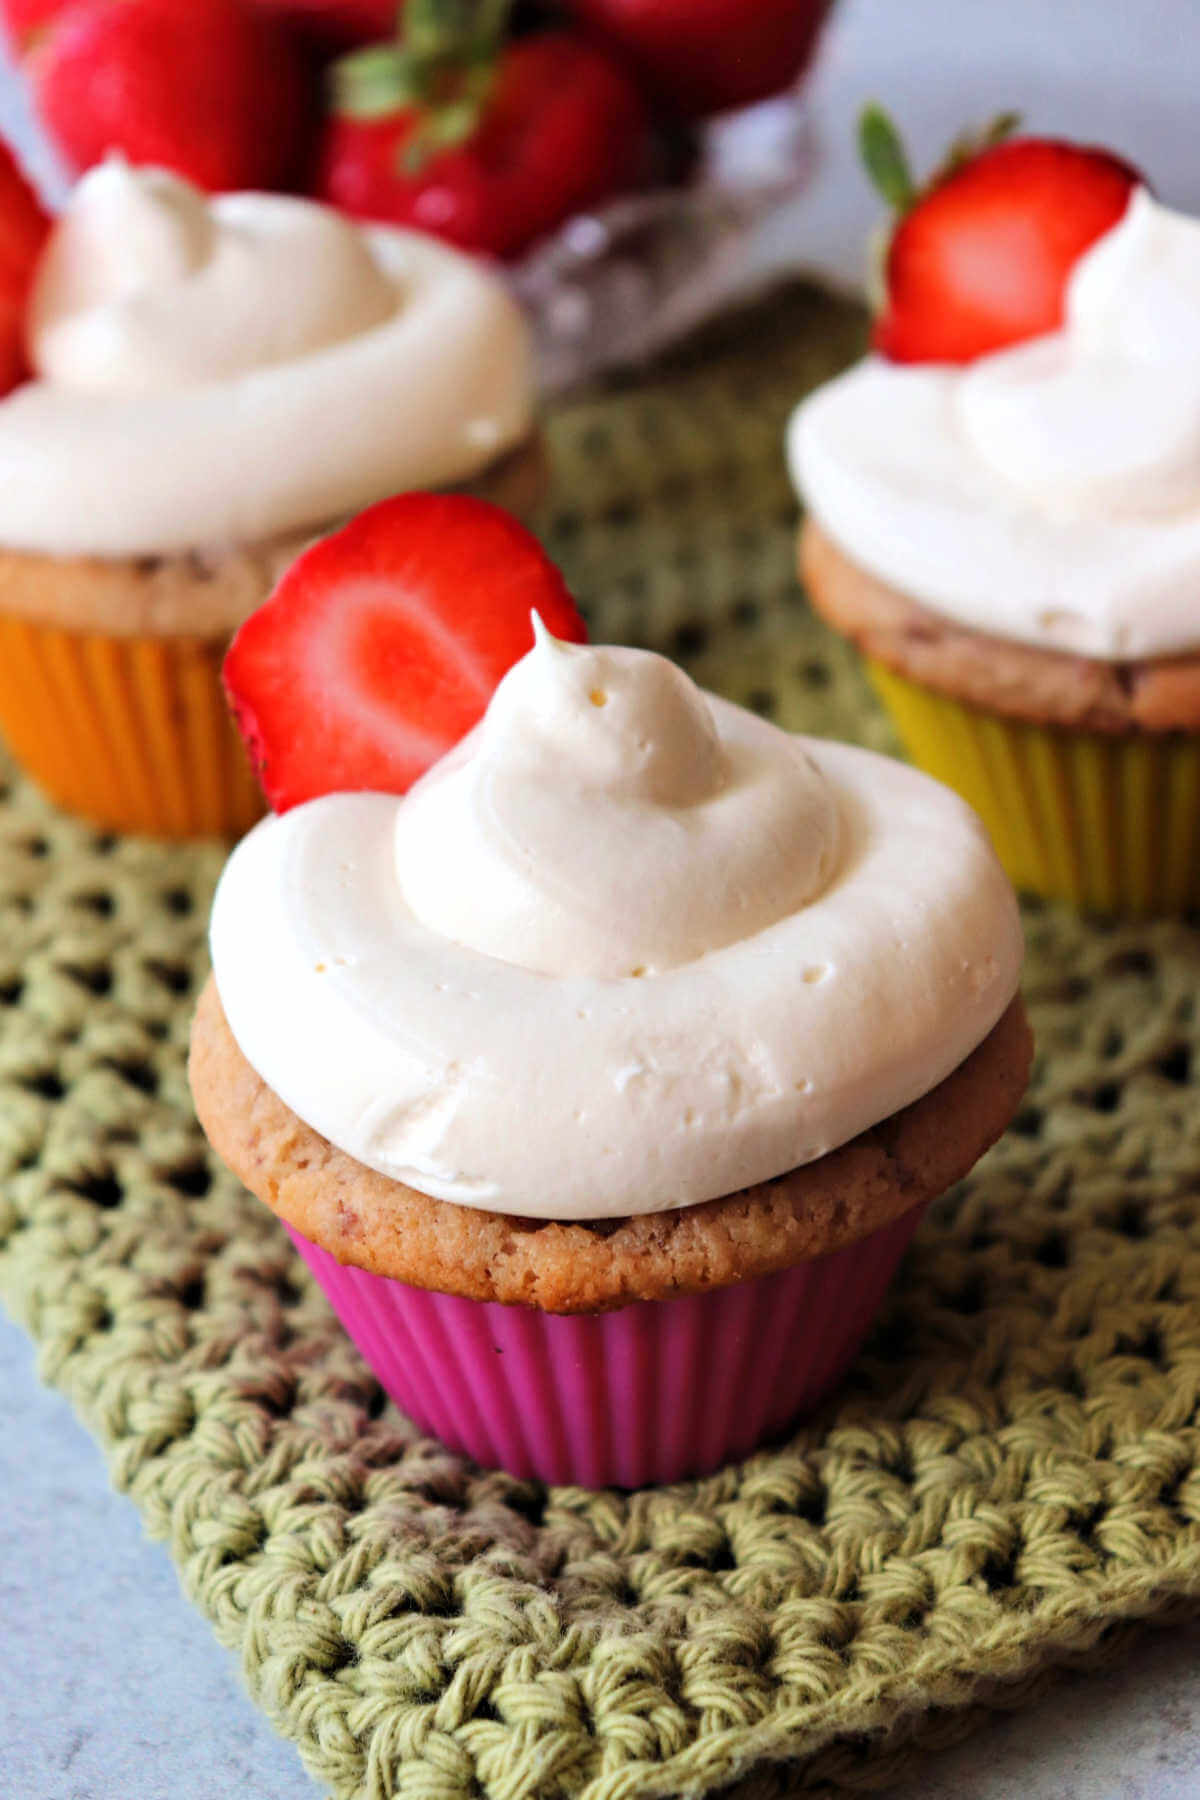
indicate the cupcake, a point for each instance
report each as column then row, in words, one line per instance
column 1003, row 513
column 215, row 381
column 602, row 1074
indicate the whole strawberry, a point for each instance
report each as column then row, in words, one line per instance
column 486, row 144
column 23, row 230
column 981, row 256
column 707, row 56
column 209, row 88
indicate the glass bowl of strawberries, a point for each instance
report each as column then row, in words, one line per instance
column 616, row 156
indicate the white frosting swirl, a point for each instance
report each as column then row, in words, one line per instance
column 222, row 371
column 651, row 842
column 1049, row 493
column 613, row 958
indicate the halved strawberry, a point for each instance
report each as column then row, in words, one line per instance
column 383, row 644
column 981, row 256
column 23, row 230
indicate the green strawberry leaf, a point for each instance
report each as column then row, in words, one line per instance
column 376, row 82
column 1001, row 127
column 884, row 157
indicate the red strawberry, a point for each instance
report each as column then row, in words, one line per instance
column 383, row 644
column 23, row 19
column 498, row 156
column 329, row 26
column 23, row 230
column 208, row 88
column 980, row 259
column 707, row 56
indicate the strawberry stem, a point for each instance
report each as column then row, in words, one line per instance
column 449, row 124
column 374, row 82
column 441, row 64
column 454, row 30
column 885, row 158
column 882, row 150
column 969, row 144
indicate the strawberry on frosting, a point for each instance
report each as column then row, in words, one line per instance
column 383, row 643
column 1020, row 453
column 980, row 257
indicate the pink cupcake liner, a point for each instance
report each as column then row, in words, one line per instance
column 659, row 1391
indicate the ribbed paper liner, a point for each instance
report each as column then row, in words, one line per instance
column 661, row 1390
column 132, row 733
column 1111, row 823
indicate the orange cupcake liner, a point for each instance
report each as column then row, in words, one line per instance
column 1110, row 823
column 132, row 733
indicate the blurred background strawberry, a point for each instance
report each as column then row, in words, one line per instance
column 23, row 230
column 24, row 18
column 213, row 89
column 485, row 142
column 451, row 116
column 328, row 27
column 698, row 57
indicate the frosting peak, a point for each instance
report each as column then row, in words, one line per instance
column 625, row 722
column 595, row 823
column 144, row 285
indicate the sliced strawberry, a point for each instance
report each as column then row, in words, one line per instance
column 23, row 230
column 383, row 644
column 980, row 258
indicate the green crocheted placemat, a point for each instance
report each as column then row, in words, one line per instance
column 1010, row 1477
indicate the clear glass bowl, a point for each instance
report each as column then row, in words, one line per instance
column 617, row 285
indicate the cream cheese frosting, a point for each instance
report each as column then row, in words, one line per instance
column 211, row 372
column 626, row 948
column 1049, row 493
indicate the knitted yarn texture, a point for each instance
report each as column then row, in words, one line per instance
column 1008, row 1480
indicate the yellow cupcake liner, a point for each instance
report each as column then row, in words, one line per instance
column 1110, row 823
column 130, row 732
